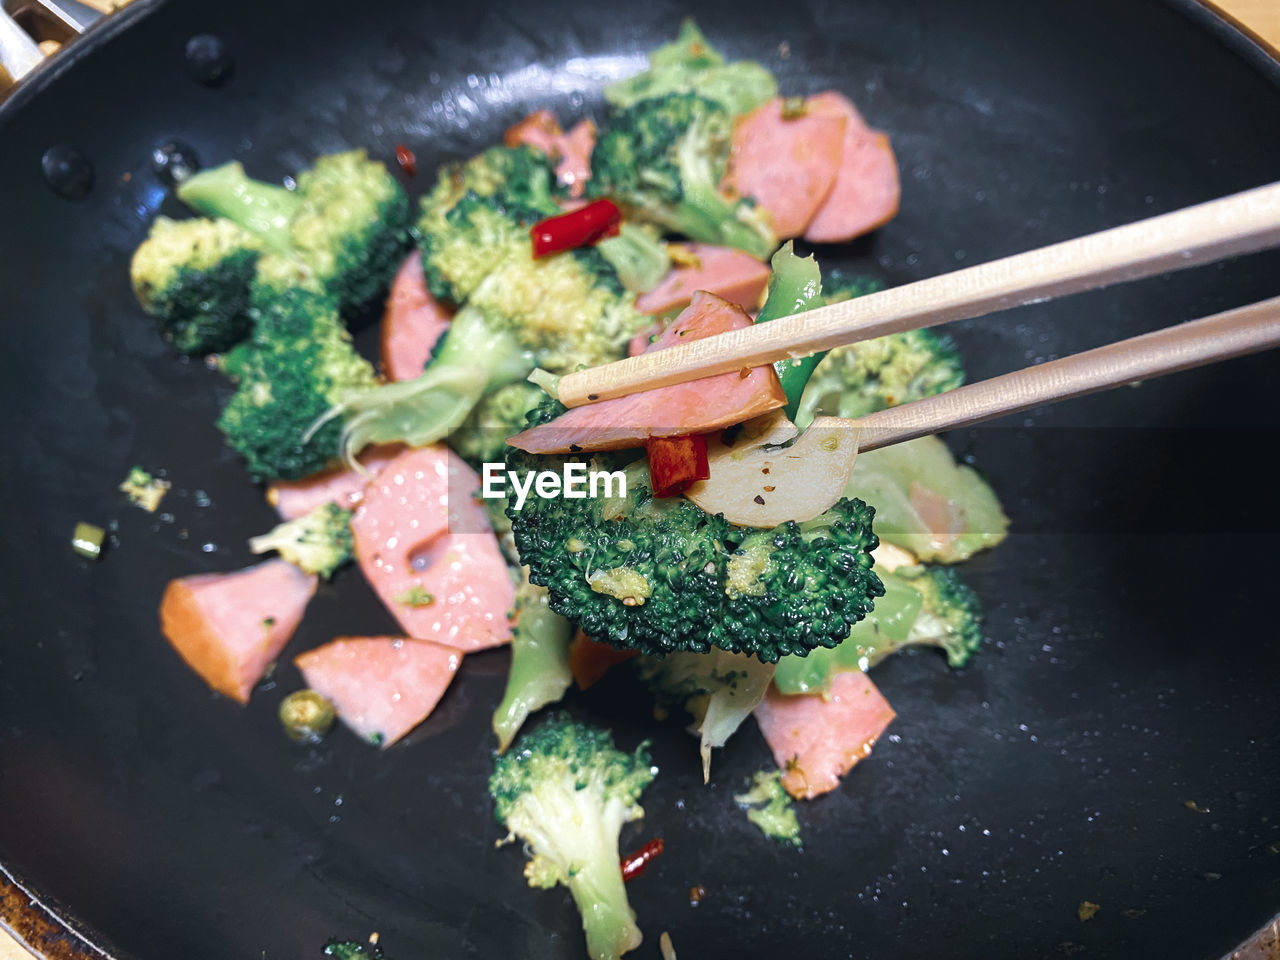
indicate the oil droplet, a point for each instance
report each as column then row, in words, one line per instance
column 174, row 162
column 67, row 171
column 208, row 61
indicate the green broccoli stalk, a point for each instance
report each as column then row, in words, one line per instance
column 319, row 541
column 539, row 672
column 471, row 358
column 921, row 606
column 566, row 791
column 195, row 277
column 263, row 209
column 770, row 807
column 928, row 504
column 662, row 575
column 691, row 65
column 718, row 689
column 662, row 160
column 299, row 363
column 558, row 312
column 344, row 229
column 638, row 256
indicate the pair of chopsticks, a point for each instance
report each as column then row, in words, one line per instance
column 1239, row 224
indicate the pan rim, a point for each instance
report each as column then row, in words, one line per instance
column 52, row 932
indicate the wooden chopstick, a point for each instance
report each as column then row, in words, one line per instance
column 1242, row 223
column 1196, row 343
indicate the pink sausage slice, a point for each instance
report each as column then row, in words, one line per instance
column 381, row 687
column 866, row 191
column 736, row 276
column 340, row 485
column 540, row 130
column 788, row 165
column 699, row 406
column 229, row 627
column 640, row 342
column 574, row 168
column 816, row 740
column 570, row 152
column 428, row 550
column 412, row 322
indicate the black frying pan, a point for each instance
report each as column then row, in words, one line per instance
column 1132, row 664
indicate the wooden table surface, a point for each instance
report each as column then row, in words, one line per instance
column 1260, row 16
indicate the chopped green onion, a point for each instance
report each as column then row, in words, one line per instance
column 306, row 716
column 415, row 596
column 87, row 540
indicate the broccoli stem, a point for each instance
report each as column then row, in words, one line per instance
column 471, row 341
column 539, row 672
column 597, row 887
column 794, row 286
column 703, row 214
column 261, row 208
column 471, row 361
column 640, row 260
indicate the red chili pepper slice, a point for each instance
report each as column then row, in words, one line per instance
column 408, row 162
column 677, row 463
column 577, row 228
column 635, row 864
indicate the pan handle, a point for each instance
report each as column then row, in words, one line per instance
column 18, row 52
column 73, row 14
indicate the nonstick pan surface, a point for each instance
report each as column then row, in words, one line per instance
column 1132, row 661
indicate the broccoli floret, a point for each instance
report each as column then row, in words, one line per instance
column 195, row 277
column 559, row 312
column 662, row 159
column 718, row 689
column 566, row 791
column 479, row 212
column 841, row 286
column 319, row 541
column 770, row 807
column 482, row 437
column 662, row 575
column 691, row 65
column 299, row 363
column 639, row 257
column 351, row 949
column 922, row 606
column 927, row 503
column 343, row 229
column 144, row 490
column 951, row 617
column 861, row 378
column 539, row 672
